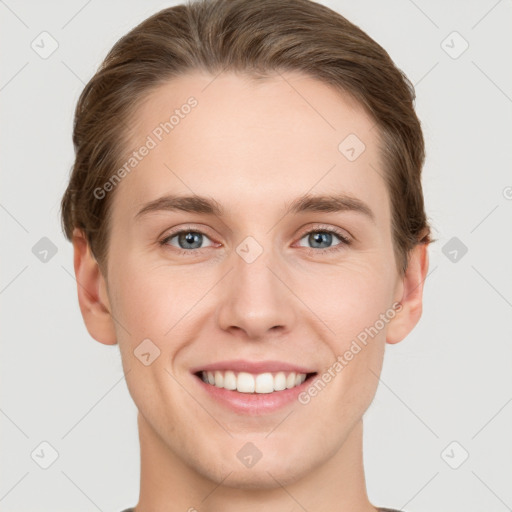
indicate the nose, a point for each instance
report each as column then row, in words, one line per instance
column 256, row 301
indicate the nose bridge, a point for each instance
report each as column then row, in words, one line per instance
column 255, row 300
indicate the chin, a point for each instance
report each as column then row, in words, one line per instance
column 267, row 473
column 264, row 478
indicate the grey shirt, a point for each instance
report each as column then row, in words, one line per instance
column 380, row 510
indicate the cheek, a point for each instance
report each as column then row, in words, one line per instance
column 157, row 302
column 143, row 304
column 352, row 297
column 356, row 305
column 346, row 297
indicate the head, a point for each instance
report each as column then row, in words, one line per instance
column 280, row 121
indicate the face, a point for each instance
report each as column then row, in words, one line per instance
column 276, row 273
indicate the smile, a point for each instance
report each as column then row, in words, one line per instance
column 245, row 382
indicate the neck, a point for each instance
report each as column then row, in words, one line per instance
column 167, row 484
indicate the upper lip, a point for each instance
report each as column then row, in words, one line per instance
column 241, row 365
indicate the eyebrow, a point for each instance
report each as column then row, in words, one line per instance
column 306, row 203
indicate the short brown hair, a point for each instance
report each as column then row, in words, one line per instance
column 254, row 37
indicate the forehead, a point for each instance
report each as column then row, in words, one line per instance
column 251, row 142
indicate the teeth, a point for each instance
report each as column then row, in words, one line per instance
column 245, row 383
column 248, row 383
column 229, row 380
column 219, row 379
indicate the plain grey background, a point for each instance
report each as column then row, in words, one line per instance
column 437, row 435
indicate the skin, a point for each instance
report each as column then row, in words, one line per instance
column 254, row 147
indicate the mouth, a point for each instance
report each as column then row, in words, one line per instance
column 254, row 383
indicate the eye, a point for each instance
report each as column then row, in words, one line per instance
column 187, row 240
column 190, row 241
column 319, row 238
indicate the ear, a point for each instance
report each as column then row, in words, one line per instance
column 412, row 295
column 92, row 295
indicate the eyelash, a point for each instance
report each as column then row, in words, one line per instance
column 344, row 241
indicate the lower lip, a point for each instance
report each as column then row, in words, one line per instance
column 254, row 404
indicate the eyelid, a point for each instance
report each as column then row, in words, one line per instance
column 197, row 228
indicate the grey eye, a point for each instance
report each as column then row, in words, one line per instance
column 320, row 239
column 187, row 239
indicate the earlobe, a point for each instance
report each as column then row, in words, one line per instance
column 412, row 295
column 92, row 296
